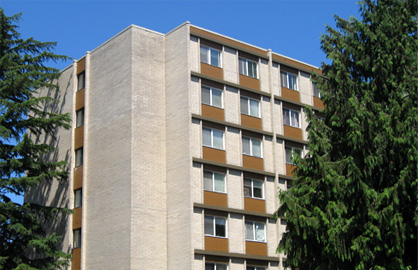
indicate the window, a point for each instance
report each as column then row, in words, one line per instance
column 250, row 106
column 316, row 91
column 79, row 118
column 77, row 238
column 291, row 117
column 215, row 226
column 210, row 56
column 290, row 153
column 255, row 268
column 251, row 146
column 214, row 181
column 248, row 67
column 255, row 231
column 213, row 138
column 79, row 157
column 289, row 80
column 81, row 81
column 212, row 96
column 253, row 188
column 77, row 198
column 215, row 266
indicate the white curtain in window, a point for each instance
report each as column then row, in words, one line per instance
column 256, row 147
column 209, row 225
column 216, row 98
column 283, row 78
column 259, row 232
column 214, row 57
column 246, row 148
column 218, row 139
column 242, row 66
column 204, row 54
column 286, row 117
column 206, row 95
column 244, row 105
column 249, row 231
column 208, row 183
column 219, row 182
column 254, row 108
column 207, row 137
column 295, row 119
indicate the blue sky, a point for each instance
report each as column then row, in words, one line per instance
column 288, row 27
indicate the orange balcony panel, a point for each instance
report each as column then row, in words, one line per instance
column 216, row 244
column 256, row 248
column 78, row 137
column 289, row 169
column 318, row 103
column 249, row 82
column 79, row 99
column 214, row 154
column 293, row 132
column 77, row 218
column 250, row 121
column 253, row 162
column 78, row 177
column 213, row 112
column 256, row 205
column 212, row 71
column 215, row 198
column 76, row 259
column 290, row 94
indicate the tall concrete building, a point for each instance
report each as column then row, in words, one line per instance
column 179, row 146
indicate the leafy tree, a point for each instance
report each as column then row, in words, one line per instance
column 354, row 201
column 24, row 241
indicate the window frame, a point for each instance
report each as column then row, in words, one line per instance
column 249, row 106
column 286, row 83
column 79, row 122
column 214, row 218
column 251, row 146
column 215, row 265
column 292, row 151
column 246, row 71
column 254, row 231
column 209, row 54
column 79, row 156
column 213, row 181
column 291, row 124
column 211, row 89
column 78, row 198
column 252, row 188
column 211, row 137
column 77, row 238
column 81, row 81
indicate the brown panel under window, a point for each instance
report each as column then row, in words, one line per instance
column 289, row 169
column 79, row 100
column 81, row 65
column 76, row 259
column 293, row 132
column 209, row 258
column 256, row 248
column 216, row 244
column 252, row 162
column 290, row 94
column 78, row 137
column 249, row 82
column 214, row 154
column 78, row 177
column 212, row 71
column 250, row 121
column 213, row 112
column 77, row 218
column 256, row 205
column 215, row 198
column 317, row 102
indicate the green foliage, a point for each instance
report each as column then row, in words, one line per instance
column 354, row 204
column 24, row 242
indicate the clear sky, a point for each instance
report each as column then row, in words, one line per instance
column 288, row 27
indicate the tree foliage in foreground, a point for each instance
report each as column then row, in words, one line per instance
column 354, row 204
column 24, row 244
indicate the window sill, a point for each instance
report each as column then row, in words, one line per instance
column 213, row 106
column 249, row 76
column 255, row 198
column 252, row 156
column 214, row 236
column 291, row 126
column 255, row 241
column 221, row 149
column 219, row 192
column 211, row 65
column 258, row 117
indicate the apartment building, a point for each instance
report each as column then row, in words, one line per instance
column 180, row 144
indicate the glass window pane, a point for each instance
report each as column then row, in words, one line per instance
column 242, row 66
column 283, row 78
column 246, row 146
column 209, row 225
column 292, row 81
column 216, row 98
column 220, row 227
column 219, row 182
column 286, row 117
column 207, row 137
column 209, row 266
column 254, row 108
column 204, row 54
column 79, row 157
column 77, row 238
column 297, row 151
column 288, row 155
column 249, row 232
column 295, row 119
column 256, row 147
column 258, row 189
column 247, row 188
column 81, row 81
column 206, row 95
column 208, row 182
column 244, row 105
column 77, row 198
column 218, row 139
column 259, row 232
column 214, row 57
column 221, row 267
column 80, row 118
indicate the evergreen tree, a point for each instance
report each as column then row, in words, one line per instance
column 24, row 241
column 354, row 201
